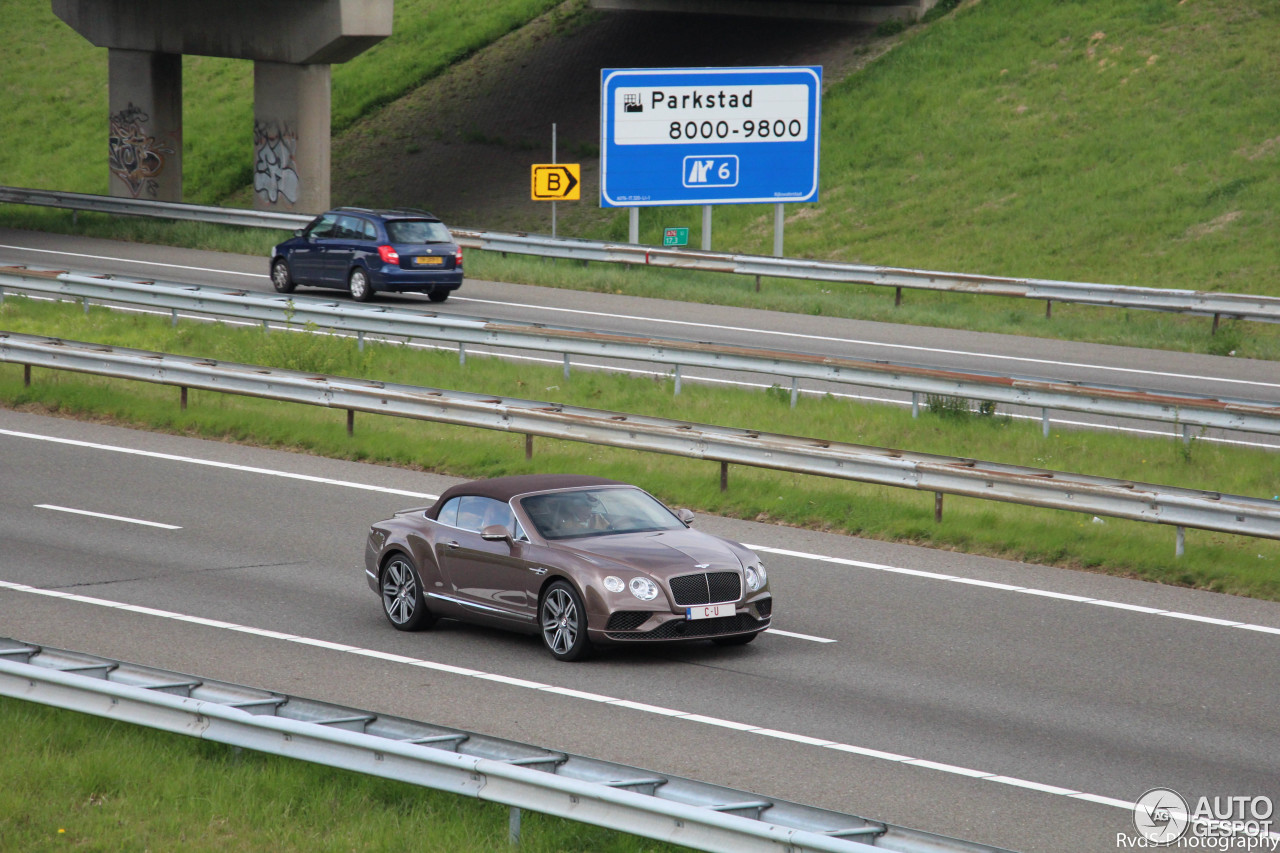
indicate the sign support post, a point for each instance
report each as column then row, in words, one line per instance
column 706, row 228
column 553, row 160
column 777, row 229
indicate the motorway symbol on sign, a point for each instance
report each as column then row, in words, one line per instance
column 675, row 236
column 556, row 182
column 709, row 135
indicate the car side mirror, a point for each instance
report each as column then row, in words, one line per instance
column 685, row 515
column 496, row 533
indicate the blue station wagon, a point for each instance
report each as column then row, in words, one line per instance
column 366, row 251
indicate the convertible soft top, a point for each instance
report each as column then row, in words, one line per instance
column 505, row 488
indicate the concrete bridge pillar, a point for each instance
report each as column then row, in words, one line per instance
column 292, row 44
column 145, row 106
column 291, row 109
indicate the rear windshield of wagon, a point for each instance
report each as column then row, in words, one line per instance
column 417, row 231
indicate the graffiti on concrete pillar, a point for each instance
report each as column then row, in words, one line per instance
column 274, row 174
column 136, row 157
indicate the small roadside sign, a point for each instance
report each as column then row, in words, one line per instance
column 675, row 236
column 556, row 182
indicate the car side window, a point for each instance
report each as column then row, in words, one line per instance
column 323, row 227
column 449, row 513
column 471, row 512
column 370, row 232
column 350, row 228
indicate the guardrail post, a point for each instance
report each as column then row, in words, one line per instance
column 359, row 341
column 1214, row 330
column 1048, row 309
column 26, row 376
column 937, row 507
column 351, row 422
column 1186, row 433
column 915, row 404
column 897, row 297
column 462, row 353
column 1044, row 422
column 86, row 305
column 566, row 365
column 184, row 398
column 1180, row 544
column 173, row 317
column 528, row 446
column 724, row 476
column 795, row 390
column 677, row 379
column 513, row 826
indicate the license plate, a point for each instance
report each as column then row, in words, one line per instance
column 429, row 260
column 710, row 611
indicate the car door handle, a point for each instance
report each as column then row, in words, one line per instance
column 452, row 546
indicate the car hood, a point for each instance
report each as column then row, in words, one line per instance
column 665, row 552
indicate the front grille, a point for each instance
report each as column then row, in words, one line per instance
column 627, row 620
column 710, row 588
column 680, row 629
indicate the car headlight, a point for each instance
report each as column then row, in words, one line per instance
column 614, row 584
column 644, row 589
column 755, row 577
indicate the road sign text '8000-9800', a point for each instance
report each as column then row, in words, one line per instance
column 709, row 135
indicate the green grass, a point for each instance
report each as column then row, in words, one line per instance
column 1234, row 564
column 1132, row 142
column 70, row 781
column 54, row 92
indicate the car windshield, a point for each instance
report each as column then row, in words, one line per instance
column 597, row 512
column 417, row 231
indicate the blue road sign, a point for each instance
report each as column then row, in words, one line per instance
column 709, row 135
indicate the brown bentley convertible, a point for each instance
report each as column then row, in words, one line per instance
column 578, row 560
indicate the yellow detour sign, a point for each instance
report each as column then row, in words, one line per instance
column 556, row 182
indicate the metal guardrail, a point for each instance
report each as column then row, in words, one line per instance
column 1247, row 516
column 614, row 796
column 1187, row 411
column 1207, row 303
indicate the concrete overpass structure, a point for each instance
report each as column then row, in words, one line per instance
column 292, row 44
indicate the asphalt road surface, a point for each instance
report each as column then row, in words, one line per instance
column 1009, row 704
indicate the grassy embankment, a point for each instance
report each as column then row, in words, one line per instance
column 1214, row 561
column 72, row 781
column 1132, row 142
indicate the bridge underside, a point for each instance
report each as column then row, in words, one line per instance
column 845, row 11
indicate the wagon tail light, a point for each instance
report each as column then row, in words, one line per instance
column 458, row 257
column 388, row 255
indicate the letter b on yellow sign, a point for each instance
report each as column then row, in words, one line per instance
column 556, row 182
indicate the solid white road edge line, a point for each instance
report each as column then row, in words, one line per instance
column 109, row 517
column 582, row 695
column 1005, row 587
column 1265, row 629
